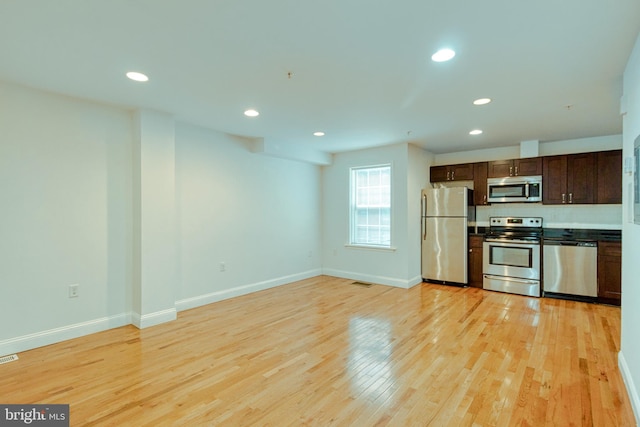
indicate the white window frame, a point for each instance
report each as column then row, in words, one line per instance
column 353, row 210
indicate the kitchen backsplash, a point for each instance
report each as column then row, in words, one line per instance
column 603, row 217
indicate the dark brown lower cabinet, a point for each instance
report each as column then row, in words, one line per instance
column 475, row 261
column 610, row 272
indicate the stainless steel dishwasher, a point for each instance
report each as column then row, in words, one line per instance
column 570, row 267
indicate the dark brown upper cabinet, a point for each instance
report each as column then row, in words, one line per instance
column 609, row 177
column 584, row 178
column 569, row 179
column 515, row 167
column 462, row 172
column 480, row 183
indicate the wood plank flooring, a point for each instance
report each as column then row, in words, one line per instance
column 325, row 352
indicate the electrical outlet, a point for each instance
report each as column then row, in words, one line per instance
column 223, row 266
column 73, row 291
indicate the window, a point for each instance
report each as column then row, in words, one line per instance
column 371, row 206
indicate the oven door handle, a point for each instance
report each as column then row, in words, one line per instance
column 510, row 279
column 512, row 241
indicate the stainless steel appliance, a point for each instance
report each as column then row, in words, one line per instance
column 511, row 255
column 514, row 189
column 570, row 267
column 445, row 216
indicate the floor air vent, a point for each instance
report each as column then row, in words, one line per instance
column 7, row 359
column 366, row 285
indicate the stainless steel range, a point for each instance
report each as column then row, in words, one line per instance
column 511, row 255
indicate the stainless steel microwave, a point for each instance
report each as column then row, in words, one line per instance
column 514, row 189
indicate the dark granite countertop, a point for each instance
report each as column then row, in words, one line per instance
column 573, row 234
column 581, row 234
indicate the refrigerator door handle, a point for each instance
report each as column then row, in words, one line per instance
column 424, row 217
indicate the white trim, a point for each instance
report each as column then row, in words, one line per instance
column 63, row 333
column 155, row 318
column 52, row 336
column 370, row 278
column 632, row 390
column 415, row 281
column 353, row 208
column 200, row 300
column 371, row 247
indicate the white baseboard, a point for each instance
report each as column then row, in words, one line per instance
column 632, row 390
column 51, row 336
column 415, row 281
column 200, row 300
column 152, row 319
column 370, row 278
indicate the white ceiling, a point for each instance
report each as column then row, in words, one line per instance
column 361, row 69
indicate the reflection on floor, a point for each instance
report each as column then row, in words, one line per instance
column 324, row 352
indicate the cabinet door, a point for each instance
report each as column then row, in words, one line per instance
column 475, row 261
column 581, row 178
column 500, row 168
column 438, row 174
column 609, row 177
column 609, row 272
column 554, row 180
column 463, row 172
column 480, row 183
column 527, row 167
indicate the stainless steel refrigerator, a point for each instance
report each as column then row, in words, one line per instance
column 445, row 220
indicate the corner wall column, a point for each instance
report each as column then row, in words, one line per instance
column 154, row 219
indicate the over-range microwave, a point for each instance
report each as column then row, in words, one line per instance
column 514, row 189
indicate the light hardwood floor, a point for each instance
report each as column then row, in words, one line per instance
column 323, row 351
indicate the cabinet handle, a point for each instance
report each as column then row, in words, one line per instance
column 570, row 197
column 563, row 198
column 448, row 175
column 453, row 175
column 484, row 199
column 516, row 171
column 510, row 170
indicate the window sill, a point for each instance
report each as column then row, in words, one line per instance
column 371, row 247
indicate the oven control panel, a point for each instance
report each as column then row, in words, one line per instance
column 509, row 221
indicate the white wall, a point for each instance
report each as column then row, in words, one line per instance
column 65, row 184
column 154, row 219
column 257, row 214
column 630, row 352
column 417, row 179
column 73, row 210
column 400, row 266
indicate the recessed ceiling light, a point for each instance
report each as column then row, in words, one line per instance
column 482, row 101
column 251, row 113
column 138, row 77
column 475, row 132
column 443, row 55
column 318, row 133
